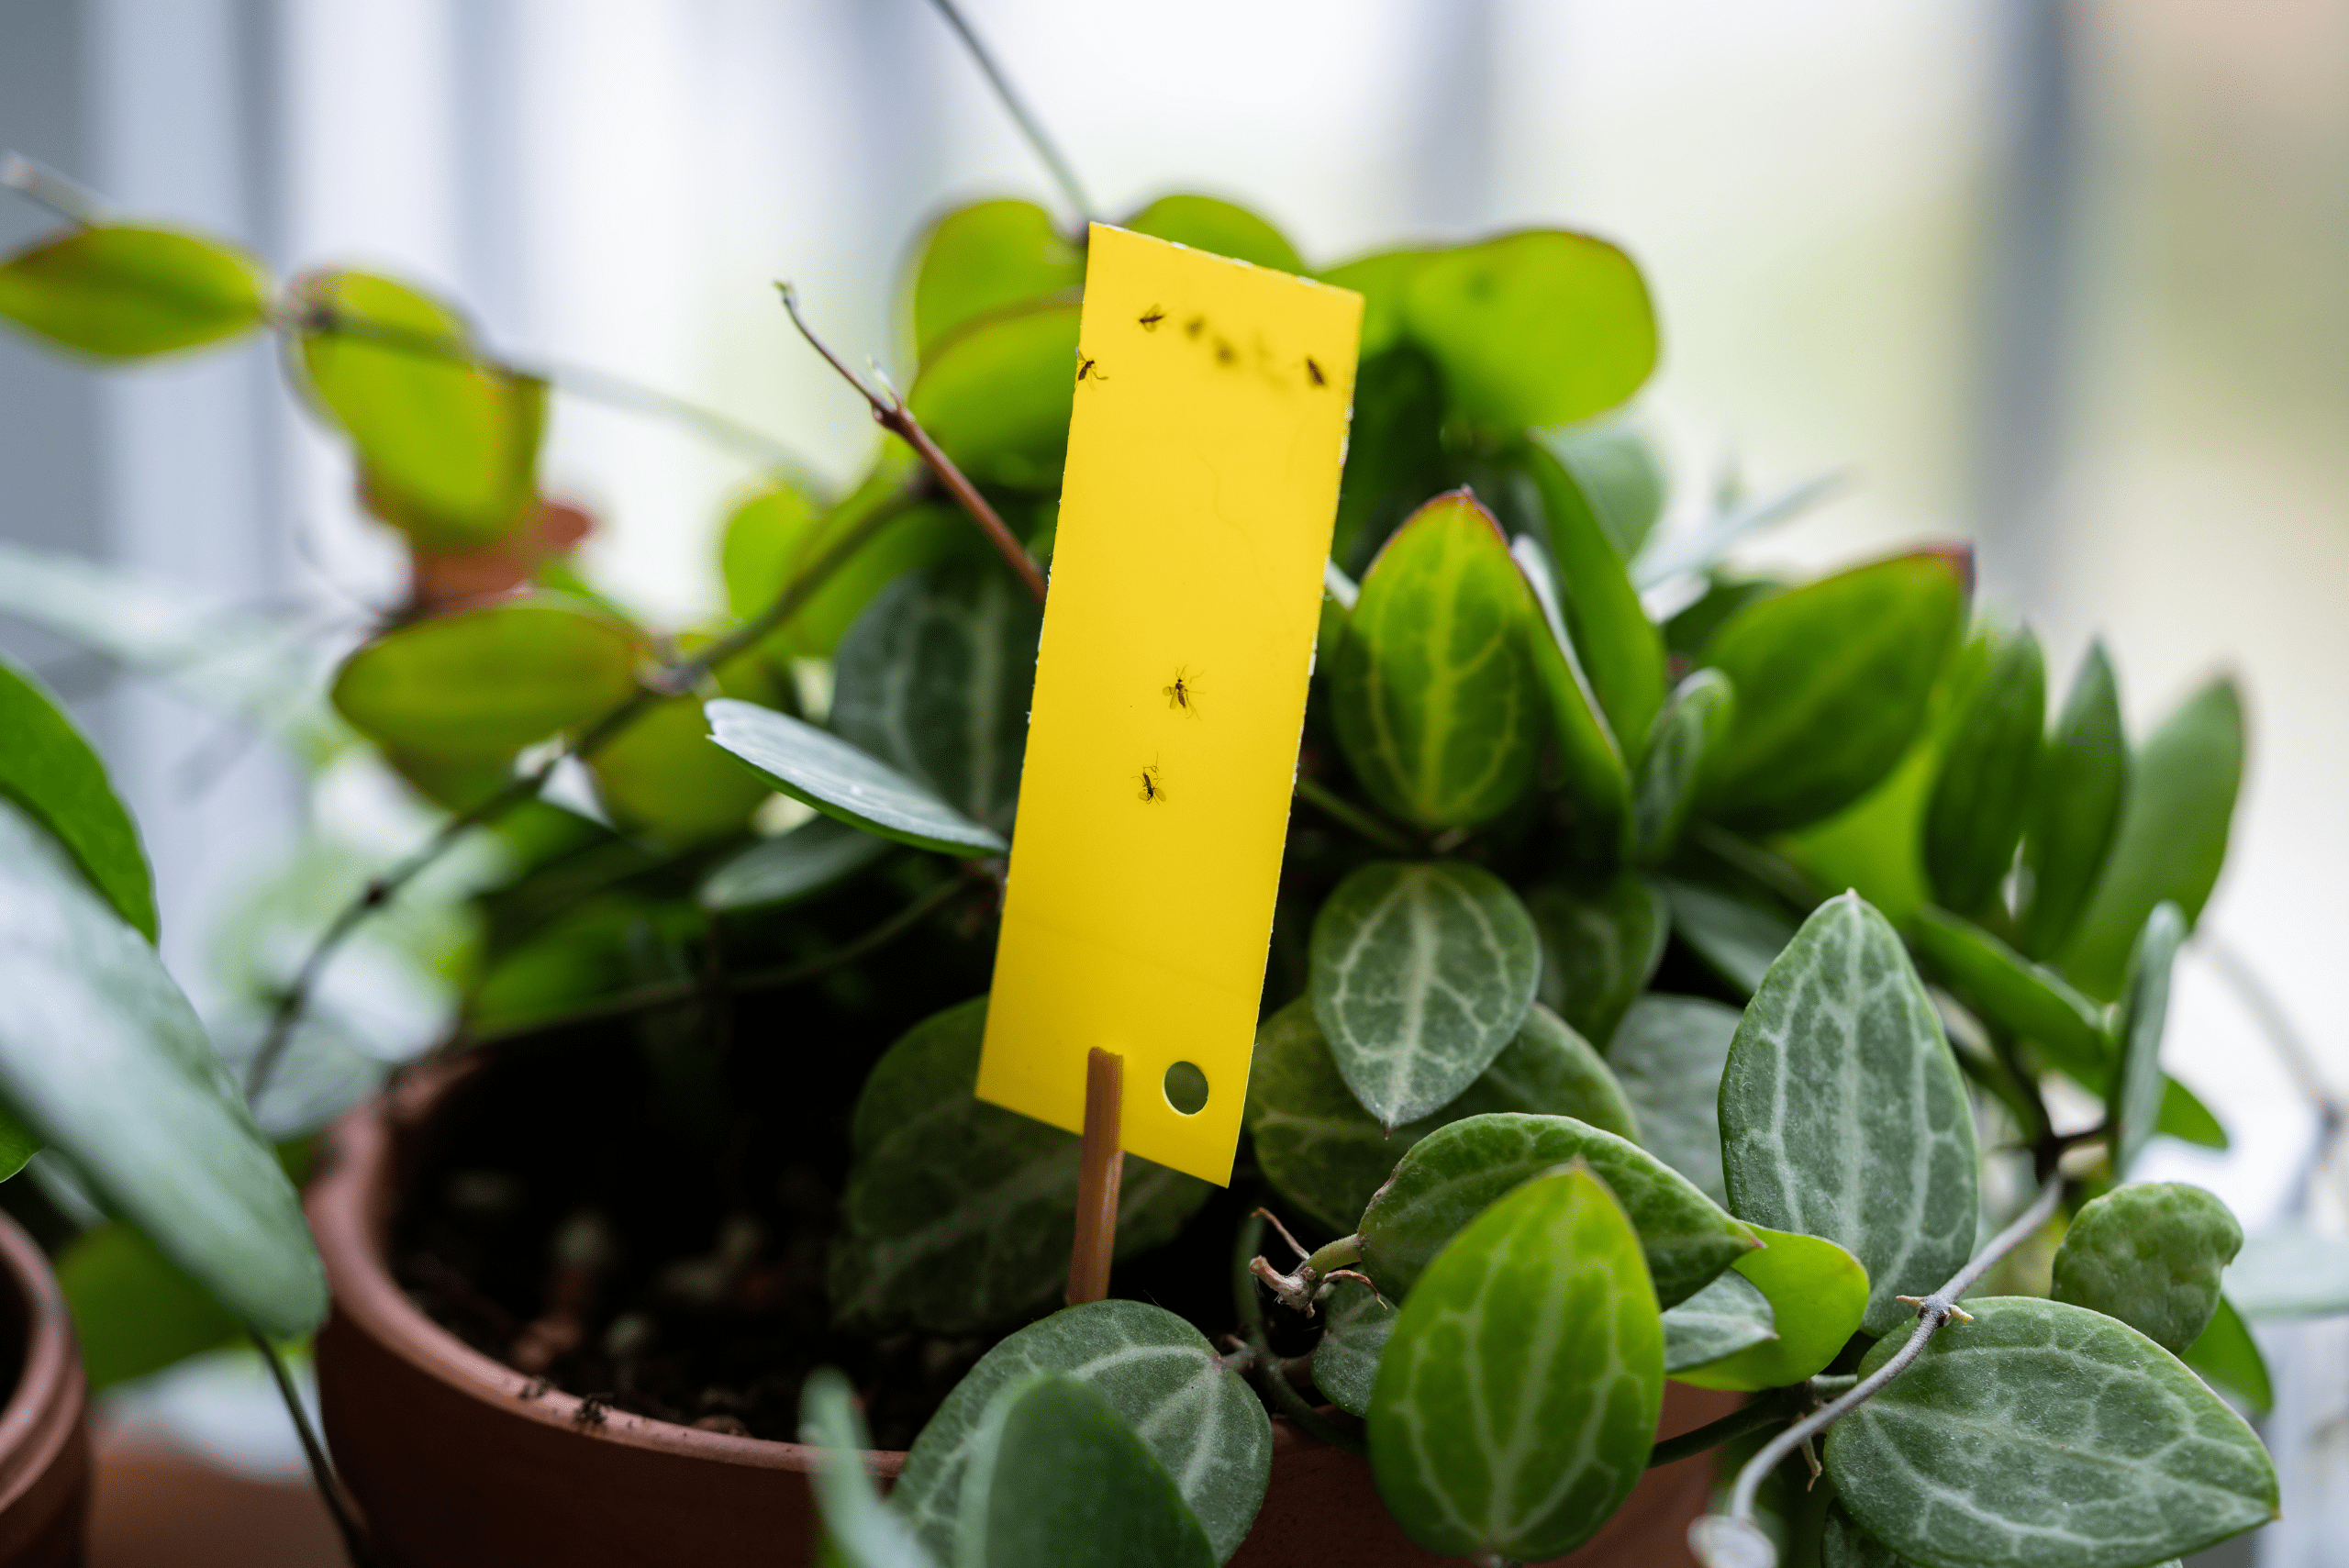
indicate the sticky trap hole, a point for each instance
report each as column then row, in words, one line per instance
column 1186, row 1089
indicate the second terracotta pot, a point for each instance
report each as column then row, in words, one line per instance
column 461, row 1462
column 44, row 1430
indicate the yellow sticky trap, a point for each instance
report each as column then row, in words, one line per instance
column 1202, row 482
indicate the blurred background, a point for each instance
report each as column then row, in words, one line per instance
column 2070, row 279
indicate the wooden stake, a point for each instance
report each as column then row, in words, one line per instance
column 1097, row 1180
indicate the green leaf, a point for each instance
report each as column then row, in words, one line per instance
column 2075, row 806
column 1346, row 1358
column 855, row 1525
column 958, row 1215
column 447, row 438
column 2135, row 1103
column 1844, row 1544
column 2149, row 1254
column 482, row 685
column 1984, row 793
column 1395, row 456
column 1725, row 1317
column 1842, row 1113
column 1600, row 947
column 661, row 779
column 1057, row 1479
column 2016, row 995
column 1621, row 648
column 18, row 1143
column 50, row 770
column 1692, row 629
column 1692, row 726
column 1597, row 787
column 841, row 782
column 1455, row 1172
column 1159, row 1373
column 789, row 867
column 1421, row 973
column 1619, row 470
column 2227, row 1358
column 1668, row 1053
column 1383, row 281
column 103, row 1058
column 2173, row 834
column 1433, row 689
column 2186, row 1119
column 995, row 394
column 934, row 679
column 778, row 534
column 125, row 291
column 2047, row 1436
column 1222, row 227
column 2291, row 1273
column 982, row 257
column 134, row 1310
column 1737, row 938
column 1539, row 328
column 1833, row 682
column 1328, row 1155
column 1817, row 1293
column 1517, row 1398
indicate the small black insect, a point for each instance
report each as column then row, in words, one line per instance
column 1225, row 354
column 1195, row 326
column 1183, row 693
column 1152, row 791
column 1152, row 318
column 593, row 1409
column 1085, row 367
column 1313, row 369
column 536, row 1388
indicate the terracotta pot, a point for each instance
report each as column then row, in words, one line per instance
column 458, row 1460
column 44, row 1430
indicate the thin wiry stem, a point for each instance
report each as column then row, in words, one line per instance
column 2291, row 1047
column 70, row 200
column 1933, row 1312
column 1029, row 126
column 1267, row 1366
column 1334, row 804
column 355, row 1544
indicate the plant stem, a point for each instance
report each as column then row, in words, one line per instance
column 1778, row 1405
column 677, row 680
column 1333, row 803
column 1266, row 1366
column 1933, row 1313
column 354, row 1538
column 1030, row 126
column 72, row 202
column 892, row 414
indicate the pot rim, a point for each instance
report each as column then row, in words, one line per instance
column 349, row 1200
column 45, row 1409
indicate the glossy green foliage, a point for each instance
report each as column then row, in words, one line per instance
column 2172, row 838
column 2227, row 1358
column 1161, row 1376
column 477, row 686
column 103, row 1058
column 135, row 1310
column 1619, row 472
column 789, row 867
column 1539, row 328
column 124, row 291
column 1694, row 723
column 18, row 1143
column 1725, row 1317
column 778, row 535
column 1844, row 1544
column 2135, row 1102
column 1738, row 938
column 1668, row 1053
column 2150, row 1253
column 52, row 772
column 2075, row 806
column 1353, row 1340
column 934, row 679
column 1817, row 1293
column 984, row 257
column 663, row 779
column 1621, row 651
column 1421, row 972
column 958, row 1215
column 1057, row 1479
column 1457, row 1171
column 841, row 782
column 1593, row 779
column 1395, row 456
column 2043, row 1435
column 855, row 1528
column 1842, row 1114
column 1433, row 691
column 1833, row 682
column 1328, row 1155
column 995, row 394
column 1600, row 947
column 2009, row 990
column 1224, row 228
column 447, row 438
column 1983, row 795
column 1517, row 1400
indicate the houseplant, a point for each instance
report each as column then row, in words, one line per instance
column 1547, row 845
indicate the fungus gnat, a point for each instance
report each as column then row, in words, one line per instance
column 1152, row 791
column 1152, row 318
column 1183, row 693
column 1085, row 367
column 1313, row 369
